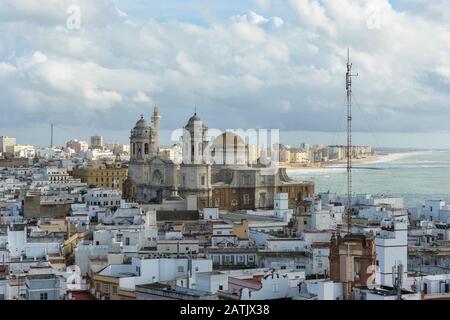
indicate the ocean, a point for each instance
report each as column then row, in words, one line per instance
column 415, row 176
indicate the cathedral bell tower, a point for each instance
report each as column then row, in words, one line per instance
column 140, row 151
column 154, row 143
column 196, row 167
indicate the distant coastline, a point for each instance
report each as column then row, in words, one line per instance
column 377, row 158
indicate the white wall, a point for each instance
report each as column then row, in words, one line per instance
column 212, row 282
column 392, row 250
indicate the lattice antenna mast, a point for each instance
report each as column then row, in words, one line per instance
column 349, row 152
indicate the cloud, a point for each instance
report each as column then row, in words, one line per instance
column 258, row 20
column 250, row 69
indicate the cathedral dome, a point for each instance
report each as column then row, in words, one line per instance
column 192, row 121
column 228, row 140
column 142, row 123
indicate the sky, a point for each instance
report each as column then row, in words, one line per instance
column 247, row 64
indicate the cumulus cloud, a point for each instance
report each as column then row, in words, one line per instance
column 250, row 69
column 256, row 19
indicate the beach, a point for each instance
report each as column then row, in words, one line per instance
column 377, row 158
column 329, row 164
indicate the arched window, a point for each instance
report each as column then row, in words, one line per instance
column 146, row 148
column 133, row 147
column 157, row 178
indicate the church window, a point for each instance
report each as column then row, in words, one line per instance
column 146, row 148
column 203, row 180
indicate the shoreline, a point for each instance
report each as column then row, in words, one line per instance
column 377, row 158
column 324, row 165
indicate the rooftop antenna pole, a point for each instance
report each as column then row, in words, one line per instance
column 51, row 135
column 349, row 76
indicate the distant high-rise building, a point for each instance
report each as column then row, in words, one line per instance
column 77, row 146
column 96, row 142
column 6, row 142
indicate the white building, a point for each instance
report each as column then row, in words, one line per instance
column 77, row 146
column 18, row 246
column 433, row 210
column 269, row 285
column 177, row 246
column 104, row 197
column 21, row 151
column 325, row 216
column 211, row 213
column 281, row 207
column 212, row 281
column 6, row 142
column 143, row 271
column 369, row 200
column 392, row 249
column 379, row 213
column 97, row 154
column 59, row 176
column 285, row 244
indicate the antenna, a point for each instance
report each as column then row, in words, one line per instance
column 349, row 76
column 51, row 135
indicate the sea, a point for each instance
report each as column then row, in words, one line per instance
column 416, row 176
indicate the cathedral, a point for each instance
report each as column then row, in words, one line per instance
column 227, row 185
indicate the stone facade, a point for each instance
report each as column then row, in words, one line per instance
column 352, row 259
column 105, row 175
column 151, row 178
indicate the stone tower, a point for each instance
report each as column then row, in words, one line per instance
column 140, row 141
column 156, row 120
column 196, row 167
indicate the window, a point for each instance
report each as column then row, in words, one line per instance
column 357, row 269
column 114, row 289
column 220, row 287
column 246, row 199
column 203, row 180
column 105, row 288
column 180, row 269
column 43, row 296
column 146, row 148
column 275, row 287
